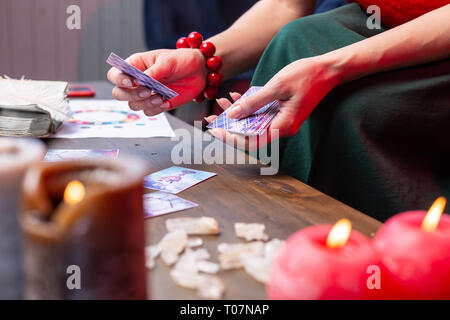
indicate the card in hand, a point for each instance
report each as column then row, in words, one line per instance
column 175, row 179
column 140, row 77
column 158, row 203
column 255, row 124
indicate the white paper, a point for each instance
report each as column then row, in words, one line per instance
column 112, row 119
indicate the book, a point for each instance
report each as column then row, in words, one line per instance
column 32, row 108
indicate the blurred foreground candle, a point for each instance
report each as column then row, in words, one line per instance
column 16, row 155
column 323, row 262
column 414, row 248
column 83, row 226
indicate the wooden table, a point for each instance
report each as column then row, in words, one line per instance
column 237, row 194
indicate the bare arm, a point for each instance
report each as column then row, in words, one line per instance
column 241, row 45
column 302, row 84
column 421, row 40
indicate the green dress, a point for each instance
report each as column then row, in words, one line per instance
column 380, row 144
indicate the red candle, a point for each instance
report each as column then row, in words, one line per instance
column 323, row 262
column 414, row 248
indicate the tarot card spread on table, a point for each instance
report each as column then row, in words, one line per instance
column 140, row 77
column 255, row 124
column 158, row 203
column 175, row 179
column 74, row 154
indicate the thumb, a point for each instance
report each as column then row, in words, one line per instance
column 160, row 70
column 251, row 103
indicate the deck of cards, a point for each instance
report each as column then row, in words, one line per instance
column 140, row 77
column 255, row 124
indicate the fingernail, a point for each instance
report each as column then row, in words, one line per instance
column 235, row 112
column 165, row 105
column 156, row 100
column 145, row 93
column 127, row 83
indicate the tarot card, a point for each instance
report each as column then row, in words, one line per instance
column 140, row 77
column 175, row 179
column 255, row 124
column 158, row 203
column 73, row 154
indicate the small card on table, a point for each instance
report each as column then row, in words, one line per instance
column 159, row 203
column 175, row 179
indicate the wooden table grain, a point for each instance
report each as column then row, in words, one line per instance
column 237, row 194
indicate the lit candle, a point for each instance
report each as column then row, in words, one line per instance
column 323, row 262
column 414, row 248
column 83, row 225
column 16, row 155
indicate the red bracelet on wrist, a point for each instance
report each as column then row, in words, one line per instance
column 195, row 41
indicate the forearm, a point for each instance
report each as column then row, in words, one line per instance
column 241, row 45
column 419, row 41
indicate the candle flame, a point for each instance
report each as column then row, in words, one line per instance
column 74, row 192
column 339, row 234
column 431, row 220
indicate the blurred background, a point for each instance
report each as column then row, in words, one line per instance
column 36, row 43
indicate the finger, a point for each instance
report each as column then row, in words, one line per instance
column 119, row 78
column 146, row 106
column 235, row 95
column 153, row 111
column 224, row 103
column 252, row 103
column 162, row 69
column 142, row 60
column 135, row 94
column 134, row 107
column 210, row 118
column 232, row 139
column 282, row 125
column 179, row 100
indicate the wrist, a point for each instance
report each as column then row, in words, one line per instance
column 331, row 68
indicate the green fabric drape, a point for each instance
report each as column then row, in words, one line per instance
column 380, row 144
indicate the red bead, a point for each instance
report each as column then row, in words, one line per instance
column 215, row 79
column 214, row 63
column 211, row 92
column 182, row 43
column 199, row 98
column 207, row 49
column 194, row 39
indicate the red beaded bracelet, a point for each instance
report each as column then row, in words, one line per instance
column 213, row 63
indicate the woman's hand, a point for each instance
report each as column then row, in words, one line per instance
column 298, row 87
column 182, row 70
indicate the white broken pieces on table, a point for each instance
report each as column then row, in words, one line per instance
column 192, row 268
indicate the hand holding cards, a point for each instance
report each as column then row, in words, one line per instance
column 255, row 124
column 140, row 77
